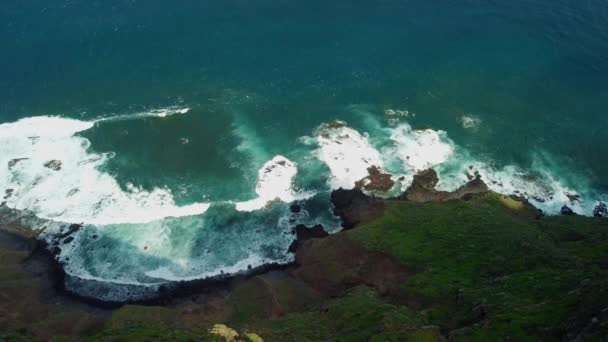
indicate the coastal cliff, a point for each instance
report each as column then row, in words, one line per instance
column 427, row 265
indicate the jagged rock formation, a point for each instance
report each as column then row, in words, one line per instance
column 423, row 189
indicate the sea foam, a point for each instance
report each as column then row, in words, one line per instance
column 421, row 149
column 347, row 153
column 275, row 181
column 46, row 168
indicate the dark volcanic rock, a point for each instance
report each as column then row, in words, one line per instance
column 73, row 228
column 600, row 210
column 567, row 211
column 304, row 233
column 423, row 185
column 354, row 207
column 295, row 208
column 53, row 165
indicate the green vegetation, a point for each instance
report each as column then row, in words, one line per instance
column 486, row 269
column 482, row 270
column 358, row 316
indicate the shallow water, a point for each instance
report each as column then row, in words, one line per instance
column 165, row 117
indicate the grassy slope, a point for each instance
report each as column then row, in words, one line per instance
column 489, row 266
column 483, row 270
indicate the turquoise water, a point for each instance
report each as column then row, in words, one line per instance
column 177, row 107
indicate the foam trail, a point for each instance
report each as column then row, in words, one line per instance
column 346, row 152
column 46, row 168
column 154, row 113
column 251, row 261
column 275, row 181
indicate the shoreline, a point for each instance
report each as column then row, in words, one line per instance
column 353, row 207
column 328, row 269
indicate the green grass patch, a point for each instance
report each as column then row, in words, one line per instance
column 488, row 265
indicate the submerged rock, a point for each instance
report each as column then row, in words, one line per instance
column 73, row 228
column 53, row 165
column 8, row 193
column 295, row 208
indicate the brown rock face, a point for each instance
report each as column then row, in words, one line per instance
column 335, row 264
column 423, row 189
column 376, row 181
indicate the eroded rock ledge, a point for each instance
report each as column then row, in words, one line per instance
column 355, row 207
column 423, row 189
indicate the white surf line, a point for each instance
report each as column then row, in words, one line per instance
column 158, row 113
column 49, row 170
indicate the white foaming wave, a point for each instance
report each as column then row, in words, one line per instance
column 74, row 190
column 275, row 181
column 158, row 113
column 421, row 149
column 347, row 153
column 251, row 261
column 540, row 187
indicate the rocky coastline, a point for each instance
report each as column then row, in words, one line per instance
column 326, row 266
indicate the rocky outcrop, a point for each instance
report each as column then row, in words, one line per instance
column 600, row 210
column 304, row 233
column 376, row 181
column 423, row 189
column 355, row 207
column 566, row 210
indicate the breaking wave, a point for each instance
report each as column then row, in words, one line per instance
column 50, row 171
column 134, row 238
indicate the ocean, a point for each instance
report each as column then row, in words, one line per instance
column 180, row 134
